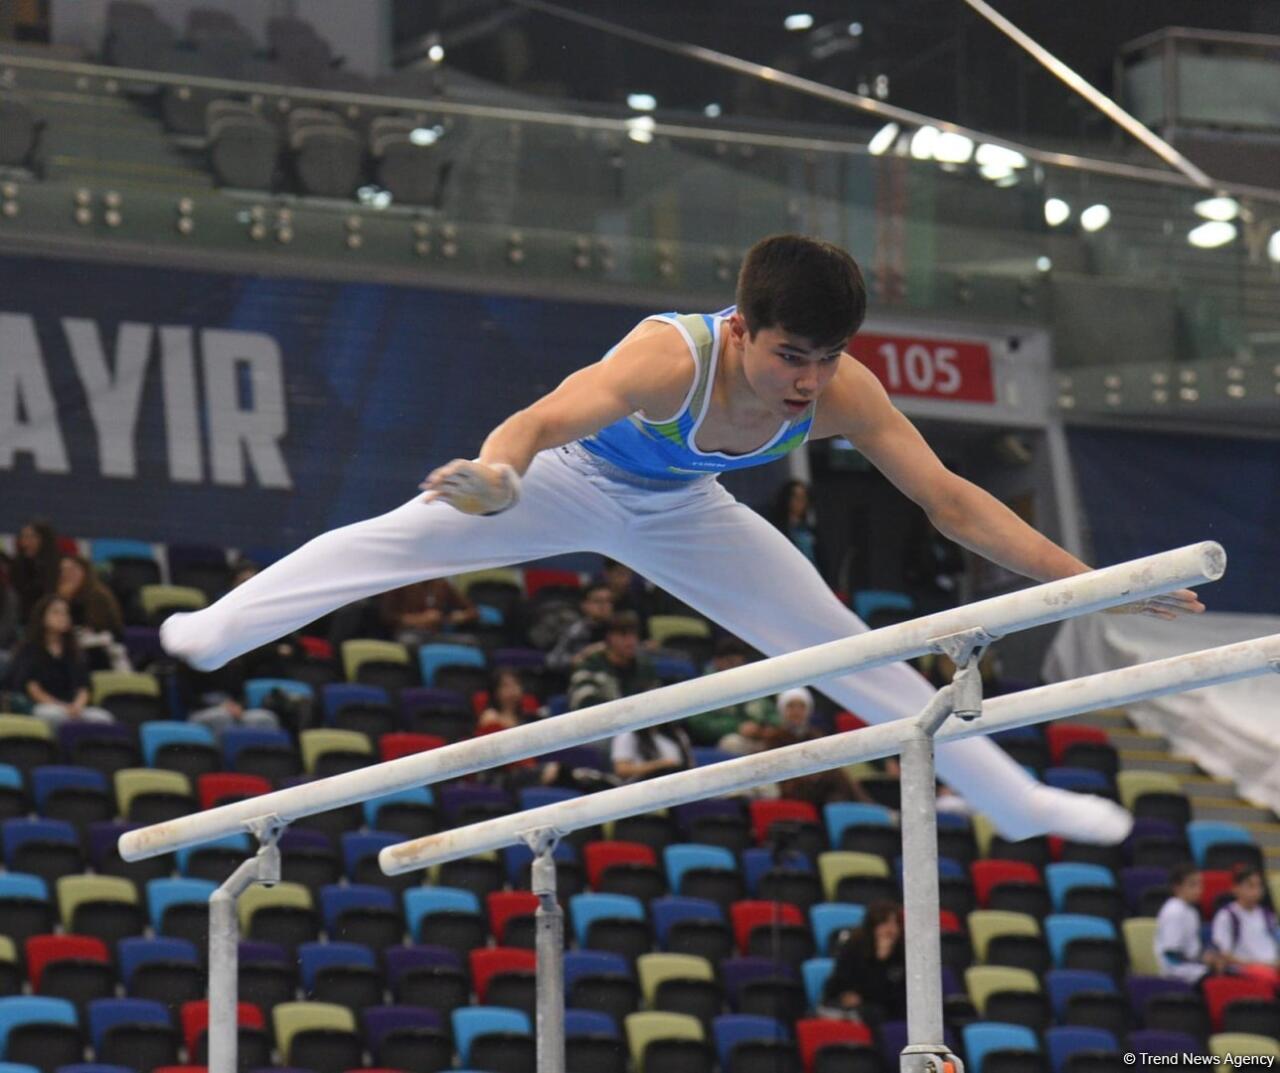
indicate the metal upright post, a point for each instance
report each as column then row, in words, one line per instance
column 224, row 938
column 549, row 930
column 926, row 1050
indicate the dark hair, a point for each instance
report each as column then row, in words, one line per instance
column 805, row 287
column 624, row 622
column 597, row 586
column 1181, row 872
column 495, row 680
column 728, row 645
column 1241, row 872
column 864, row 936
column 780, row 514
column 35, row 626
column 91, row 583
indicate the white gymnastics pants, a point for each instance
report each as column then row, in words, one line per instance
column 698, row 543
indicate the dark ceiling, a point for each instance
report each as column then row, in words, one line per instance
column 939, row 57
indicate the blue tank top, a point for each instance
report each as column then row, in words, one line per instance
column 666, row 450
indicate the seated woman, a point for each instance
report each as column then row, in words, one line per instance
column 50, row 669
column 415, row 613
column 507, row 704
column 650, row 752
column 869, row 980
column 95, row 612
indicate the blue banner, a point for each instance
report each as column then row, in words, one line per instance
column 1144, row 492
column 210, row 408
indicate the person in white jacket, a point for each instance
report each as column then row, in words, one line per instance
column 1178, row 948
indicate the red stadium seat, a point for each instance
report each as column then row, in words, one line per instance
column 764, row 814
column 601, row 855
column 503, row 905
column 216, row 787
column 541, row 577
column 487, row 962
column 1221, row 991
column 43, row 949
column 1063, row 735
column 195, row 1020
column 814, row 1033
column 987, row 875
column 749, row 915
column 394, row 746
column 846, row 721
column 1214, row 884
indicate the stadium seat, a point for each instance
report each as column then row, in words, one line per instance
column 1216, row 844
column 106, row 907
column 166, row 970
column 445, row 916
column 149, row 795
column 252, row 1046
column 1221, row 991
column 648, row 1029
column 283, row 913
column 610, row 922
column 26, row 742
column 341, row 973
column 73, row 967
column 223, row 787
column 845, row 875
column 431, row 976
column 828, row 919
column 986, row 1038
column 132, row 1032
column 817, row 1034
column 39, row 1031
column 326, row 751
column 1074, row 941
column 474, row 1023
column 1239, row 1045
column 408, row 1038
column 252, row 751
column 696, row 870
column 1063, row 984
column 507, row 972
column 186, row 747
column 1064, row 1042
column 46, row 848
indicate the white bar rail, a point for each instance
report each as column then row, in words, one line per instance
column 1138, row 579
column 1194, row 670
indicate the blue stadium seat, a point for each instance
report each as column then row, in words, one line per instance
column 827, row 918
column 337, row 695
column 537, row 796
column 105, row 549
column 517, row 858
column 1061, row 984
column 18, row 832
column 19, row 1010
column 839, row 815
column 313, row 957
column 1062, row 877
column 135, row 952
column 473, row 1021
column 240, row 843
column 1080, row 780
column 49, row 779
column 423, row 901
column 417, row 795
column 684, row 856
column 158, row 733
column 1060, row 929
column 983, row 1037
column 580, row 963
column 815, row 972
column 164, row 893
column 358, row 845
column 589, row 1023
column 236, row 739
column 586, row 909
column 669, row 910
column 729, row 1030
column 431, row 657
column 256, row 690
column 1062, row 1041
column 1204, row 834
column 106, row 1013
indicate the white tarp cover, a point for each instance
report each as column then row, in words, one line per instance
column 1232, row 730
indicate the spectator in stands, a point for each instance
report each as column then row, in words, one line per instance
column 793, row 514
column 738, row 728
column 584, row 635
column 869, row 979
column 651, row 751
column 1178, row 948
column 419, row 611
column 506, row 702
column 95, row 611
column 1244, row 930
column 619, row 669
column 50, row 669
column 35, row 569
column 9, row 617
column 795, row 711
column 627, row 590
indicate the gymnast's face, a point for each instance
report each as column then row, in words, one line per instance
column 786, row 372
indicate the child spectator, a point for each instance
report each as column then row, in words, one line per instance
column 35, row 569
column 619, row 669
column 419, row 611
column 506, row 702
column 1178, row 948
column 50, row 670
column 1244, row 930
column 584, row 635
column 869, row 980
column 650, row 752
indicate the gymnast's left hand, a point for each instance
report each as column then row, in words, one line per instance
column 1169, row 605
column 473, row 487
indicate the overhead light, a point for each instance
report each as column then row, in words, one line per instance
column 883, row 139
column 1273, row 247
column 373, row 196
column 951, row 148
column 642, row 102
column 640, row 129
column 1056, row 211
column 994, row 156
column 799, row 21
column 1095, row 217
column 1007, row 180
column 995, row 172
column 855, row 29
column 712, row 110
column 1223, row 209
column 923, row 141
column 435, row 53
column 1212, row 234
column 425, row 135
column 1043, row 264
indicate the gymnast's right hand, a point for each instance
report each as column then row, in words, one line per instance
column 474, row 487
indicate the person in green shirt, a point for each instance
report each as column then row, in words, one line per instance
column 737, row 728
